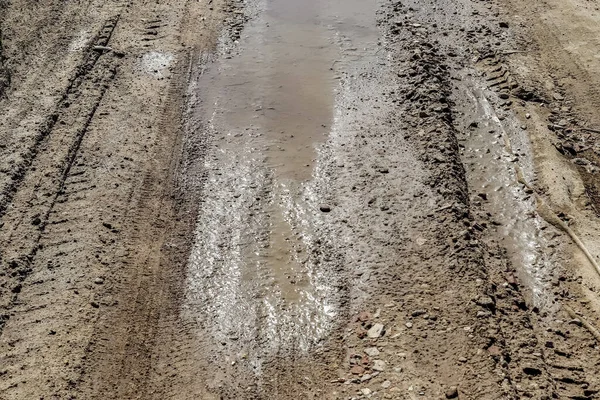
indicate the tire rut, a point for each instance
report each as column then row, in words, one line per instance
column 52, row 156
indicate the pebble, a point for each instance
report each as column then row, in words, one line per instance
column 375, row 331
column 325, row 208
column 365, row 391
column 372, row 351
column 357, row 370
column 409, row 324
column 99, row 281
column 379, row 365
column 386, row 384
column 558, row 96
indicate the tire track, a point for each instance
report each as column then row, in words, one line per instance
column 39, row 182
column 75, row 86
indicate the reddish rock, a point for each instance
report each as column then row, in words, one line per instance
column 357, row 370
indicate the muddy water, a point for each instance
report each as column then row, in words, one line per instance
column 495, row 152
column 259, row 279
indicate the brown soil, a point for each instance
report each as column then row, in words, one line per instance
column 274, row 200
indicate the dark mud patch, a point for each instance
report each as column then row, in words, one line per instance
column 4, row 72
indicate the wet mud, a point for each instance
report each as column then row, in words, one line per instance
column 276, row 199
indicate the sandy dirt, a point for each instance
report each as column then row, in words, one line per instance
column 273, row 199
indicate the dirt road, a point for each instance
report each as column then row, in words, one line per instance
column 273, row 199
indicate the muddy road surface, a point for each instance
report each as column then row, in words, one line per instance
column 318, row 199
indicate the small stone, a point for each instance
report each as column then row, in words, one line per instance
column 365, row 391
column 372, row 351
column 462, row 359
column 494, row 351
column 365, row 377
column 325, row 208
column 416, row 313
column 99, row 281
column 528, row 116
column 504, row 96
column 452, row 392
column 558, row 97
column 386, row 384
column 379, row 365
column 357, row 370
column 409, row 325
column 375, row 331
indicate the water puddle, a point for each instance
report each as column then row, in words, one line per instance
column 258, row 272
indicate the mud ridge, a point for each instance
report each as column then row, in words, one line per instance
column 428, row 113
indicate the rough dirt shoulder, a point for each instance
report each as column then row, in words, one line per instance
column 91, row 132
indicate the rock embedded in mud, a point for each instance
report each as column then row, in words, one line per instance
column 357, row 370
column 379, row 365
column 325, row 208
column 372, row 351
column 486, row 302
column 452, row 392
column 416, row 313
column 376, row 331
